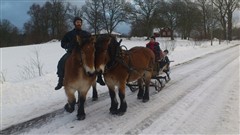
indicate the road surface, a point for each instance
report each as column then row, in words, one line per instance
column 201, row 98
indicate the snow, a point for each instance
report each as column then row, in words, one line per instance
column 24, row 98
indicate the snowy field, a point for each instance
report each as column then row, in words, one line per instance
column 26, row 95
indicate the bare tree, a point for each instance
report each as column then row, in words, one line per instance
column 113, row 13
column 9, row 34
column 36, row 24
column 92, row 14
column 2, row 76
column 231, row 5
column 37, row 62
column 220, row 5
column 144, row 13
column 33, row 67
column 168, row 12
column 58, row 18
column 188, row 18
column 47, row 21
column 203, row 4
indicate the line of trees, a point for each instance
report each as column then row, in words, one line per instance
column 188, row 18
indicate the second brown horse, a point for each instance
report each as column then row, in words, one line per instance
column 121, row 66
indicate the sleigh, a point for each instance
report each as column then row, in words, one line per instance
column 161, row 75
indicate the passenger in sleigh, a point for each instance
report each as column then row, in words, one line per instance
column 154, row 46
column 165, row 65
column 165, row 61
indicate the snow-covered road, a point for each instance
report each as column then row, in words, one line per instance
column 201, row 98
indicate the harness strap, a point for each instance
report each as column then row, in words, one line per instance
column 119, row 59
column 130, row 69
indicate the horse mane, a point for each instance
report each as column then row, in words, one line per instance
column 101, row 40
column 87, row 39
column 81, row 41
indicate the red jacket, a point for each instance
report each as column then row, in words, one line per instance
column 154, row 46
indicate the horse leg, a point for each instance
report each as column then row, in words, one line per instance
column 147, row 80
column 146, row 94
column 140, row 91
column 168, row 76
column 70, row 106
column 81, row 112
column 123, row 103
column 78, row 97
column 94, row 93
column 114, row 103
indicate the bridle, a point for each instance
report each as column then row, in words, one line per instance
column 80, row 45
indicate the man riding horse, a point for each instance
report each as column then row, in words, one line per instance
column 68, row 44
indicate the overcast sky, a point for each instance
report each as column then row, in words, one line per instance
column 16, row 11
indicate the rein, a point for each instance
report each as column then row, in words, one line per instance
column 79, row 50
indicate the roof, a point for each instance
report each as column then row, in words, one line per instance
column 105, row 32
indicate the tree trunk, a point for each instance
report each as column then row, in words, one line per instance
column 204, row 22
column 224, row 25
column 172, row 38
column 230, row 25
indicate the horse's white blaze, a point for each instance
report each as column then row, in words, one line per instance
column 102, row 67
column 89, row 69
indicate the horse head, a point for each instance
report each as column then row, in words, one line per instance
column 86, row 47
column 107, row 48
column 101, row 54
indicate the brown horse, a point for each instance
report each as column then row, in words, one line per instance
column 79, row 74
column 119, row 67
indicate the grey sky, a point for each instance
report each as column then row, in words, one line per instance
column 16, row 11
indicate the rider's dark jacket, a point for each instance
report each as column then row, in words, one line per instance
column 68, row 40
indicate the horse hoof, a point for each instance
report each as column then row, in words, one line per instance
column 139, row 97
column 113, row 112
column 145, row 100
column 68, row 108
column 120, row 113
column 81, row 117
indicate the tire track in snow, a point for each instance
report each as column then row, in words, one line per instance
column 39, row 121
column 187, row 99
